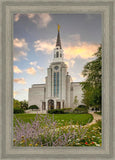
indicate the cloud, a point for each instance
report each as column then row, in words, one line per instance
column 26, row 89
column 17, row 17
column 23, row 53
column 20, row 80
column 46, row 46
column 15, row 93
column 78, row 48
column 20, row 43
column 70, row 63
column 40, row 68
column 83, row 49
column 33, row 63
column 44, row 19
column 31, row 71
column 15, row 59
column 30, row 15
column 74, row 78
column 41, row 19
column 17, row 70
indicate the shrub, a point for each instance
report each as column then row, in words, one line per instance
column 33, row 107
column 82, row 106
column 80, row 110
column 56, row 111
column 68, row 110
column 18, row 110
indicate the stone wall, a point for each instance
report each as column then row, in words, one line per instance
column 36, row 95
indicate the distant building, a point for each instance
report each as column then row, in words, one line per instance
column 59, row 91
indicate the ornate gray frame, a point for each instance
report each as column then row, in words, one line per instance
column 107, row 9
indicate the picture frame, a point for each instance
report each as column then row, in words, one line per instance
column 9, row 7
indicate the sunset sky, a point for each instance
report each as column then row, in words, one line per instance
column 35, row 38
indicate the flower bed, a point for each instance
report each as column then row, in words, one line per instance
column 45, row 131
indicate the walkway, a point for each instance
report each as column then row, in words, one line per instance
column 96, row 117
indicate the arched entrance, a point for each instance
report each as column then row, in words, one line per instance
column 50, row 104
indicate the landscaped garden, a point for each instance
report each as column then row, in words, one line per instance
column 56, row 130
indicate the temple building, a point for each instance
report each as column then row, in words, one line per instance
column 59, row 91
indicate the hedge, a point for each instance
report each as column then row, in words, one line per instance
column 68, row 110
column 56, row 111
column 18, row 110
column 33, row 107
column 82, row 106
column 80, row 110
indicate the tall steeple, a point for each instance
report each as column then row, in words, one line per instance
column 58, row 51
column 58, row 43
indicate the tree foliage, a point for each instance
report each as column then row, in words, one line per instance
column 20, row 104
column 16, row 103
column 24, row 104
column 92, row 86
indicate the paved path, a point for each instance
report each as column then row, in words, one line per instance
column 96, row 117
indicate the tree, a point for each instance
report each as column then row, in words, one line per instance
column 92, row 86
column 24, row 104
column 16, row 103
column 75, row 101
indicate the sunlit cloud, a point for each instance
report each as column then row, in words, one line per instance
column 44, row 19
column 83, row 50
column 20, row 43
column 30, row 15
column 20, row 80
column 15, row 93
column 80, row 74
column 40, row 68
column 17, row 70
column 70, row 63
column 41, row 19
column 46, row 46
column 31, row 71
column 15, row 59
column 26, row 89
column 33, row 63
column 23, row 53
column 74, row 78
column 17, row 17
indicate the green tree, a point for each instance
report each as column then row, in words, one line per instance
column 92, row 86
column 16, row 103
column 24, row 104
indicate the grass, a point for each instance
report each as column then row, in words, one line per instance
column 62, row 119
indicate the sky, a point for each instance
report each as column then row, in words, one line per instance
column 34, row 40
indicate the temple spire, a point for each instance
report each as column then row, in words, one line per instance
column 58, row 43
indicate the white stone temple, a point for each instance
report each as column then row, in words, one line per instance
column 59, row 91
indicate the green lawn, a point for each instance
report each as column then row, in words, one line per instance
column 62, row 119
